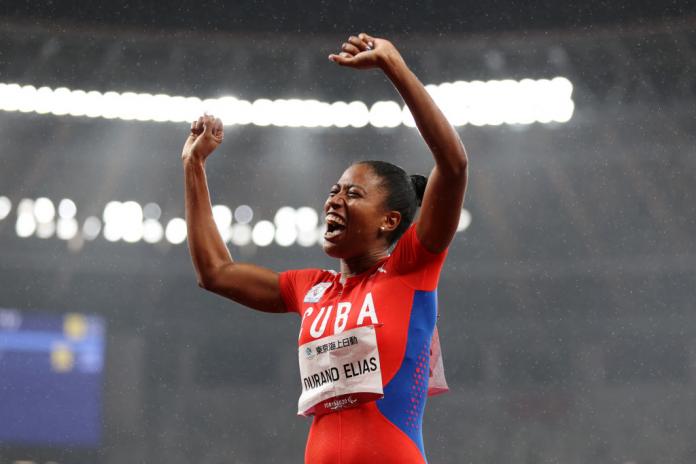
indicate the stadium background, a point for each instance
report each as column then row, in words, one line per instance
column 567, row 304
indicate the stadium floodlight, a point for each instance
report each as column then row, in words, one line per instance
column 479, row 103
column 243, row 214
column 285, row 217
column 91, row 228
column 67, row 208
column 45, row 229
column 385, row 114
column 464, row 220
column 129, row 222
column 44, row 211
column 306, row 218
column 240, row 234
column 358, row 114
column 321, row 230
column 66, row 228
column 25, row 225
column 223, row 217
column 175, row 231
column 307, row 237
column 5, row 207
column 286, row 235
column 263, row 233
column 112, row 231
column 153, row 231
column 152, row 211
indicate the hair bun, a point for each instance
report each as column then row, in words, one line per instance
column 419, row 182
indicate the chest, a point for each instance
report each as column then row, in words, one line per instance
column 331, row 308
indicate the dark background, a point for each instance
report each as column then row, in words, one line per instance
column 436, row 17
column 567, row 307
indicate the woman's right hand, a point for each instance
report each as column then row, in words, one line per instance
column 206, row 134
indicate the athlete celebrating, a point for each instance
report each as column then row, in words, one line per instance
column 365, row 335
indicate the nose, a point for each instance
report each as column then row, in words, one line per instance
column 334, row 202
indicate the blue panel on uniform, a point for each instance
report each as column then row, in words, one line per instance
column 405, row 395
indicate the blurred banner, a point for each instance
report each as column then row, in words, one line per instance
column 51, row 379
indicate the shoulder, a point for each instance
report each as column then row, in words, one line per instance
column 410, row 248
column 417, row 265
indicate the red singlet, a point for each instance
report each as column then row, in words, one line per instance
column 399, row 296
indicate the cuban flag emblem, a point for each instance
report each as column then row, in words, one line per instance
column 315, row 293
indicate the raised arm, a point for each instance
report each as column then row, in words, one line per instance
column 444, row 193
column 250, row 285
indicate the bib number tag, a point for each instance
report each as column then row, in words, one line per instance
column 339, row 372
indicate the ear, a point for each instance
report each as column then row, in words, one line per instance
column 390, row 221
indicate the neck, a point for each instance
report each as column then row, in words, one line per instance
column 359, row 264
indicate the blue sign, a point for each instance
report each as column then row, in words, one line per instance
column 50, row 379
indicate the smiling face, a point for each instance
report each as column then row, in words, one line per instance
column 355, row 211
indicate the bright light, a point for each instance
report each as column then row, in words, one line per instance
column 45, row 229
column 478, row 102
column 10, row 96
column 132, row 212
column 358, row 114
column 132, row 221
column 91, row 228
column 286, row 235
column 464, row 220
column 26, row 225
column 321, row 230
column 285, row 217
column 307, row 238
column 262, row 112
column 240, row 234
column 123, row 221
column 112, row 211
column 112, row 231
column 152, row 231
column 176, row 231
column 44, row 211
column 133, row 233
column 5, row 207
column 67, row 208
column 243, row 214
column 339, row 114
column 290, row 113
column 385, row 114
column 407, row 118
column 25, row 206
column 128, row 221
column 263, row 233
column 306, row 218
column 223, row 219
column 67, row 228
column 152, row 211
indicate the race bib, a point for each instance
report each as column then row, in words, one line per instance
column 340, row 371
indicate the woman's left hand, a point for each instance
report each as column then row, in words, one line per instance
column 365, row 52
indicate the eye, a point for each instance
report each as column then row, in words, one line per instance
column 353, row 194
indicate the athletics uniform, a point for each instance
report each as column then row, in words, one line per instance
column 394, row 304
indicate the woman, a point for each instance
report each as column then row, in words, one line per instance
column 366, row 331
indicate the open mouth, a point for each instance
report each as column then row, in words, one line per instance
column 335, row 225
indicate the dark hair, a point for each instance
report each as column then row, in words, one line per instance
column 404, row 193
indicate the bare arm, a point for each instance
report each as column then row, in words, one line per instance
column 444, row 193
column 250, row 285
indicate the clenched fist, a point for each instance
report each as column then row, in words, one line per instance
column 364, row 52
column 206, row 134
